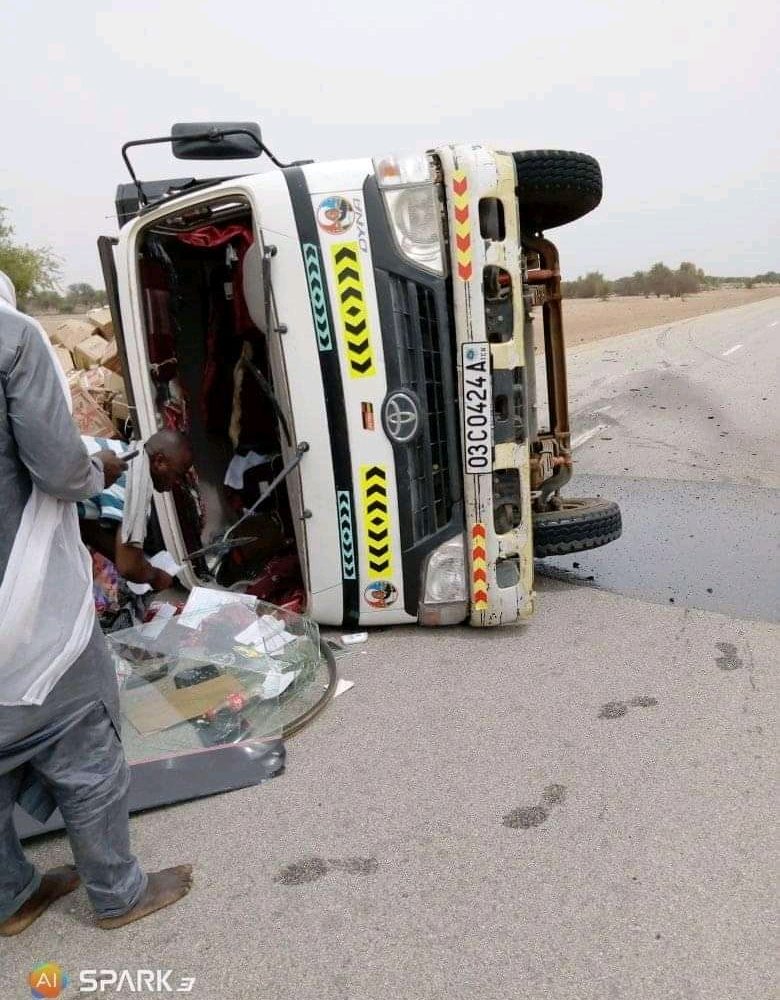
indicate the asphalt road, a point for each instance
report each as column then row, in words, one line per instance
column 581, row 809
column 681, row 425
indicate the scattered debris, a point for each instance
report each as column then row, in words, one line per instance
column 342, row 686
column 354, row 637
column 87, row 353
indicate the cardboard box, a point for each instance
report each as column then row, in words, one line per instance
column 101, row 322
column 110, row 357
column 120, row 411
column 152, row 708
column 71, row 332
column 113, row 383
column 90, row 418
column 89, row 352
column 65, row 359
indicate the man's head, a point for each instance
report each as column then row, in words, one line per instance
column 170, row 458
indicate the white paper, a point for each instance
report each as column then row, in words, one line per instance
column 164, row 614
column 275, row 644
column 203, row 602
column 355, row 637
column 267, row 634
column 342, row 686
column 240, row 465
column 276, row 683
column 162, row 560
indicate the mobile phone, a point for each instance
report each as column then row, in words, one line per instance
column 128, row 455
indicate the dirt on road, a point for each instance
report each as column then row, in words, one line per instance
column 586, row 320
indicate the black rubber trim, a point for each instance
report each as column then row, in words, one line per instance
column 332, row 385
column 389, row 261
column 105, row 245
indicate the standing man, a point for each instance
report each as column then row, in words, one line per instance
column 59, row 703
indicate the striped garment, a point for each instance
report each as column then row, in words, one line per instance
column 110, row 504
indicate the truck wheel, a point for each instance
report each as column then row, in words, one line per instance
column 582, row 523
column 555, row 186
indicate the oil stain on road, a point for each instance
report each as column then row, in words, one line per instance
column 617, row 709
column 729, row 660
column 526, row 817
column 313, row 869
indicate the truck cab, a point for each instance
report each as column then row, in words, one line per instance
column 350, row 347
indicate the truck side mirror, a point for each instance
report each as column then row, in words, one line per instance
column 216, row 140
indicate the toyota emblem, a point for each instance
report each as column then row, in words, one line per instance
column 401, row 417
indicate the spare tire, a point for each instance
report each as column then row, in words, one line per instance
column 555, row 186
column 582, row 523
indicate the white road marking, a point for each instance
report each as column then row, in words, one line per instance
column 581, row 439
column 731, row 350
column 775, row 322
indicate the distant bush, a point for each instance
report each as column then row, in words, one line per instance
column 78, row 298
column 659, row 280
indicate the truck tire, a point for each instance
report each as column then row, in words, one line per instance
column 555, row 186
column 582, row 523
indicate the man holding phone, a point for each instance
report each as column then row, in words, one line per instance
column 59, row 701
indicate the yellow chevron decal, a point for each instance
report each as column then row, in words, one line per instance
column 355, row 330
column 460, row 199
column 376, row 521
column 479, row 589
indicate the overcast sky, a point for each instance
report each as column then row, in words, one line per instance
column 678, row 101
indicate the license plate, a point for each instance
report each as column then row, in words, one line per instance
column 477, row 407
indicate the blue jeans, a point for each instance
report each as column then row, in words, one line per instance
column 87, row 775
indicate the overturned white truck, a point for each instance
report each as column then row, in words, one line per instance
column 350, row 346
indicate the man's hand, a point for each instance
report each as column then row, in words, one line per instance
column 113, row 466
column 161, row 580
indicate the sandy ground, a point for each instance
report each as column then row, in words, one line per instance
column 586, row 320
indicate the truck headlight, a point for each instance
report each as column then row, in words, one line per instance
column 444, row 585
column 412, row 206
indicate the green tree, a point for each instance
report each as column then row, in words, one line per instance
column 660, row 280
column 31, row 269
column 685, row 280
column 593, row 286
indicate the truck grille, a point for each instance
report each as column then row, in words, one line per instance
column 426, row 367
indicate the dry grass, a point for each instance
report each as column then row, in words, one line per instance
column 586, row 320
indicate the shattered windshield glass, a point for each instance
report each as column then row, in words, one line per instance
column 227, row 669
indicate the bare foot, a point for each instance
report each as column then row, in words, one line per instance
column 55, row 883
column 164, row 889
